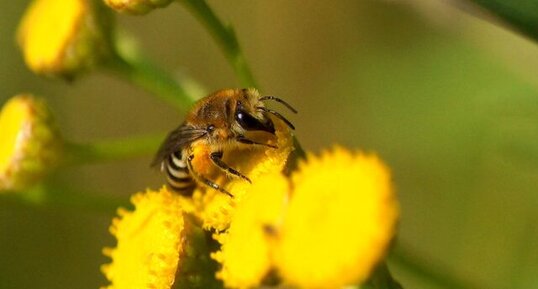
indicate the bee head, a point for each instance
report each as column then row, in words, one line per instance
column 229, row 113
column 261, row 113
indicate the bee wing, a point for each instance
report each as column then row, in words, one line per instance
column 177, row 140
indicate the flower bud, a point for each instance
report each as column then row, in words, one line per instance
column 136, row 6
column 64, row 37
column 29, row 143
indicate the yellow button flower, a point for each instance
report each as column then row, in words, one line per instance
column 150, row 242
column 340, row 220
column 328, row 226
column 247, row 246
column 136, row 6
column 215, row 208
column 62, row 37
column 30, row 145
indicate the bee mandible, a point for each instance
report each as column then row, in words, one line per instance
column 216, row 122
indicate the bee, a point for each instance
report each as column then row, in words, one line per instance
column 216, row 123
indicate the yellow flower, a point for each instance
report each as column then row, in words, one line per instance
column 62, row 37
column 136, row 6
column 30, row 145
column 340, row 220
column 327, row 227
column 149, row 242
column 216, row 208
column 246, row 252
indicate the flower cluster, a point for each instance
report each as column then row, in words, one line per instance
column 62, row 39
column 327, row 225
column 58, row 38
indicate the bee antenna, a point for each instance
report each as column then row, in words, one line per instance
column 264, row 109
column 270, row 97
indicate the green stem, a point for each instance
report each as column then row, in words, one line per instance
column 53, row 196
column 225, row 38
column 150, row 77
column 110, row 150
column 409, row 261
column 382, row 279
column 197, row 269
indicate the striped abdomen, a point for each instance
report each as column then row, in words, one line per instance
column 177, row 174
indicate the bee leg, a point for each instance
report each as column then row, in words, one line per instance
column 216, row 157
column 243, row 139
column 204, row 180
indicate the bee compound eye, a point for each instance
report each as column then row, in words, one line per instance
column 248, row 122
column 243, row 119
column 210, row 128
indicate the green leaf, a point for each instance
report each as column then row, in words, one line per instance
column 521, row 14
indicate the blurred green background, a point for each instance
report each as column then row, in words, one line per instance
column 448, row 99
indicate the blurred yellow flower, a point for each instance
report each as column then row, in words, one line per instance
column 340, row 220
column 149, row 242
column 136, row 6
column 62, row 37
column 214, row 208
column 246, row 252
column 333, row 231
column 30, row 145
